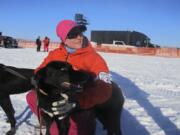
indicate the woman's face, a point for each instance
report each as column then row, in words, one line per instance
column 75, row 42
column 74, row 38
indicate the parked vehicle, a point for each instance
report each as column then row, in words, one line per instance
column 132, row 38
column 8, row 42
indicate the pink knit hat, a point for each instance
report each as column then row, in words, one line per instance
column 64, row 27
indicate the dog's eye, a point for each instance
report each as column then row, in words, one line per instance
column 63, row 69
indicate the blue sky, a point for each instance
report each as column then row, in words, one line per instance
column 158, row 19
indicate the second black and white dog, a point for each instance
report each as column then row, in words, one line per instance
column 13, row 81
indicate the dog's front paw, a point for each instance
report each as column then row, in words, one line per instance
column 12, row 131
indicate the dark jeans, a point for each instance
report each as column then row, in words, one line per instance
column 38, row 48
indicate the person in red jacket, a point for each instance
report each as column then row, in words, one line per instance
column 78, row 51
column 46, row 42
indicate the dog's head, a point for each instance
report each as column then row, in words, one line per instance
column 60, row 75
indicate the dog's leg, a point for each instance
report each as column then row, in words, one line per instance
column 63, row 125
column 59, row 126
column 6, row 105
column 48, row 121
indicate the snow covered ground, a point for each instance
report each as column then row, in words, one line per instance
column 151, row 86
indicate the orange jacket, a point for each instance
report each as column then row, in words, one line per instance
column 89, row 60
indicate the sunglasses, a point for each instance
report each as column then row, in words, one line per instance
column 72, row 35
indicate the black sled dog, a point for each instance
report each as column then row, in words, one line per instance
column 13, row 81
column 58, row 78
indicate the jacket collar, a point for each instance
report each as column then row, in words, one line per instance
column 89, row 48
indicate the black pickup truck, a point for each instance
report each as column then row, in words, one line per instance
column 8, row 42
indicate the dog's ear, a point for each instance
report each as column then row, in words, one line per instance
column 40, row 74
column 37, row 77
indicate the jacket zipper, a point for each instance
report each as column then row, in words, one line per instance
column 66, row 60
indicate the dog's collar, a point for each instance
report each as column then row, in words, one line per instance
column 43, row 92
column 15, row 73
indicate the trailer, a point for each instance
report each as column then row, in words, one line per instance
column 133, row 38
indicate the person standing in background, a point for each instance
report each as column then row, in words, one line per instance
column 38, row 43
column 46, row 42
